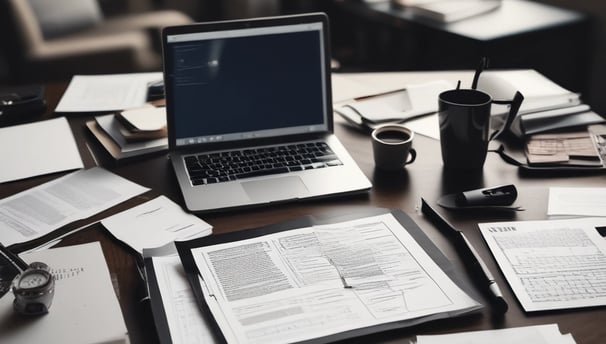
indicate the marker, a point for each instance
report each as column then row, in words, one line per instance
column 496, row 297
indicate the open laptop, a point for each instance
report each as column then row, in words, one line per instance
column 249, row 112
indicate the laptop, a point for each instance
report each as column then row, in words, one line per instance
column 249, row 113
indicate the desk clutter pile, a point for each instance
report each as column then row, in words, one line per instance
column 306, row 279
column 131, row 133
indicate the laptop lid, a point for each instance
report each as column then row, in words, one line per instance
column 234, row 83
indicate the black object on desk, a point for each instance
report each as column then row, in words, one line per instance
column 496, row 297
column 21, row 103
column 11, row 265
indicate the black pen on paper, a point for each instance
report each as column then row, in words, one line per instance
column 473, row 256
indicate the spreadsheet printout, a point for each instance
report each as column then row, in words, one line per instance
column 553, row 264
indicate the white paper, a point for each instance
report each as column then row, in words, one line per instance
column 577, row 201
column 155, row 223
column 428, row 126
column 84, row 309
column 414, row 101
column 185, row 321
column 555, row 264
column 540, row 334
column 316, row 281
column 35, row 212
column 108, row 92
column 38, row 148
column 146, row 118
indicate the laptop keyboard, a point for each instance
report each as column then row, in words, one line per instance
column 253, row 162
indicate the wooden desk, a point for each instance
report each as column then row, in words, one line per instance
column 403, row 190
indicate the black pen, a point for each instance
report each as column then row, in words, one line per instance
column 495, row 293
column 13, row 258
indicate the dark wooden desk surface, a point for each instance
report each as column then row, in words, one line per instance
column 424, row 178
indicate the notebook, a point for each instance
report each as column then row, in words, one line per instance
column 249, row 113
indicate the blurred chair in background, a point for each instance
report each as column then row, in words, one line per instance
column 46, row 40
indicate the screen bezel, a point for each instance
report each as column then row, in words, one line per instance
column 244, row 24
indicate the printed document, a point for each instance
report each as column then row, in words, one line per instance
column 38, row 148
column 316, row 281
column 555, row 264
column 185, row 321
column 155, row 223
column 38, row 211
column 84, row 309
column 577, row 201
column 108, row 92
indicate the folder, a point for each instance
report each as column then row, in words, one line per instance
column 185, row 252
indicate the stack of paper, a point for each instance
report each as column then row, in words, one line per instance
column 122, row 137
column 413, row 104
column 546, row 107
column 325, row 281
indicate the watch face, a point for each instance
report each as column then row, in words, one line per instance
column 33, row 279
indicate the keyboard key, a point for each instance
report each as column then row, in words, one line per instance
column 238, row 164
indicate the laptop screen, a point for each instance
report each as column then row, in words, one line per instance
column 246, row 83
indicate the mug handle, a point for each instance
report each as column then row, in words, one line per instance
column 513, row 111
column 413, row 155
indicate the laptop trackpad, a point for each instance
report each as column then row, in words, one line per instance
column 274, row 189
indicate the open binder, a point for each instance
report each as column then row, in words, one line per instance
column 199, row 286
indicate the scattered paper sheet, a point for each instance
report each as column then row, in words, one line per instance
column 312, row 282
column 154, row 224
column 109, row 92
column 185, row 321
column 38, row 211
column 37, row 148
column 557, row 264
column 540, row 334
column 428, row 126
column 577, row 201
column 413, row 101
column 84, row 309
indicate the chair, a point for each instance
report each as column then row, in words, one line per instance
column 53, row 40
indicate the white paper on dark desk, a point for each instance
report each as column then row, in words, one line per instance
column 185, row 321
column 290, row 286
column 538, row 334
column 540, row 93
column 108, row 92
column 155, row 223
column 38, row 148
column 33, row 213
column 554, row 264
column 577, row 201
column 413, row 101
column 85, row 308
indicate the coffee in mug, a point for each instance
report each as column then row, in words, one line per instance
column 392, row 147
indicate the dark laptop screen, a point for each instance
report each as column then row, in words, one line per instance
column 247, row 83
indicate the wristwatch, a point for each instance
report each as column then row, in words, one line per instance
column 34, row 289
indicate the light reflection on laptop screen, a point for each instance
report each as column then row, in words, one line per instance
column 248, row 83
